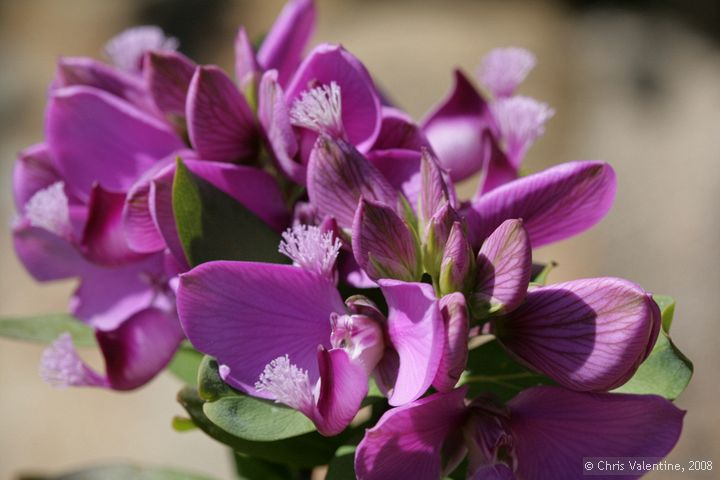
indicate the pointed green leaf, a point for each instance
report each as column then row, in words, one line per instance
column 214, row 226
column 46, row 328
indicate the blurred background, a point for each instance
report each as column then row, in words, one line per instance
column 635, row 83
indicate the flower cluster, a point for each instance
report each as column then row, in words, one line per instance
column 389, row 278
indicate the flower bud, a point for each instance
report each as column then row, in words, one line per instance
column 458, row 265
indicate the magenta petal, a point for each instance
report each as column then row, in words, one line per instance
column 221, row 124
column 167, row 75
column 343, row 386
column 248, row 314
column 45, row 255
column 554, row 204
column 553, row 429
column 360, row 103
column 338, row 175
column 91, row 73
column 434, row 191
column 407, row 442
column 455, row 352
column 104, row 240
column 588, row 335
column 34, row 171
column 383, row 244
column 399, row 131
column 455, row 129
column 504, row 265
column 106, row 297
column 246, row 64
column 140, row 348
column 96, row 137
column 401, row 168
column 255, row 189
column 497, row 169
column 283, row 46
column 274, row 117
column 416, row 331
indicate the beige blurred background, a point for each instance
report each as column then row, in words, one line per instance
column 639, row 88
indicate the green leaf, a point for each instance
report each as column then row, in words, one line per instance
column 666, row 372
column 491, row 369
column 244, row 416
column 342, row 466
column 46, row 328
column 120, row 472
column 251, row 468
column 214, row 226
column 182, row 424
column 667, row 310
column 185, row 364
column 306, row 450
column 540, row 272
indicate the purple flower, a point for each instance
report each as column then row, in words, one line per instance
column 284, row 333
column 470, row 134
column 543, row 432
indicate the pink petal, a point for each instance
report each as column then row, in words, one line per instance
column 221, row 124
column 246, row 65
column 401, row 169
column 588, row 335
column 34, row 171
column 554, row 204
column 416, row 331
column 45, row 255
column 455, row 351
column 407, row 442
column 399, row 131
column 168, row 75
column 247, row 314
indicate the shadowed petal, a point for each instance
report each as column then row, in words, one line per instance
column 504, row 265
column 360, row 104
column 383, row 244
column 455, row 129
column 407, row 442
column 554, row 204
column 247, row 314
column 401, row 168
column 455, row 351
column 338, row 175
column 140, row 348
column 168, row 76
column 343, row 386
column 45, row 255
column 416, row 331
column 283, row 46
column 588, row 335
column 96, row 137
column 399, row 131
column 553, row 429
column 221, row 124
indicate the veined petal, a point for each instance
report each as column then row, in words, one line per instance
column 104, row 240
column 383, row 244
column 504, row 265
column 247, row 314
column 360, row 103
column 338, row 175
column 554, row 204
column 274, row 117
column 454, row 129
column 416, row 331
column 283, row 46
column 455, row 352
column 221, row 124
column 91, row 73
column 246, row 64
column 434, row 191
column 553, row 429
column 168, row 75
column 588, row 335
column 399, row 131
column 407, row 442
column 33, row 171
column 343, row 386
column 504, row 69
column 85, row 124
column 140, row 348
column 401, row 168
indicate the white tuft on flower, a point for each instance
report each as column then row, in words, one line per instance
column 320, row 110
column 49, row 209
column 127, row 48
column 520, row 120
column 61, row 366
column 308, row 247
column 287, row 384
column 504, row 69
